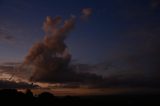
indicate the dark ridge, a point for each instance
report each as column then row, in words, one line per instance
column 15, row 97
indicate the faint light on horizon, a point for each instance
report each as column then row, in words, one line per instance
column 6, row 76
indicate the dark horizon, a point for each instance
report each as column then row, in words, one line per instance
column 17, row 97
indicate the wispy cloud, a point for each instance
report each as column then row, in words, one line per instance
column 155, row 3
column 5, row 36
column 86, row 13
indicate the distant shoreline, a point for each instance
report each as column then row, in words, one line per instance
column 94, row 91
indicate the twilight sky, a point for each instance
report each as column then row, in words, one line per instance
column 120, row 36
column 92, row 41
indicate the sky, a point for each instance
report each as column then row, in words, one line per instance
column 115, row 39
column 23, row 20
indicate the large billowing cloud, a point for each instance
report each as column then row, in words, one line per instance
column 50, row 57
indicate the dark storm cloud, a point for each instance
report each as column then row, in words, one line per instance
column 138, row 58
column 135, row 63
column 120, row 77
column 79, row 67
column 146, row 44
column 140, row 50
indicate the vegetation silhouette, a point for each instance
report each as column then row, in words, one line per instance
column 16, row 97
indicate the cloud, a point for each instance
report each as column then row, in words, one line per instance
column 50, row 58
column 155, row 3
column 147, row 47
column 13, row 71
column 10, row 63
column 50, row 55
column 18, row 81
column 136, row 60
column 5, row 36
column 15, row 85
column 86, row 13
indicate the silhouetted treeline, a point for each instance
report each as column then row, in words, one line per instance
column 12, row 96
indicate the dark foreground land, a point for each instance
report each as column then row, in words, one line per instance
column 12, row 96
